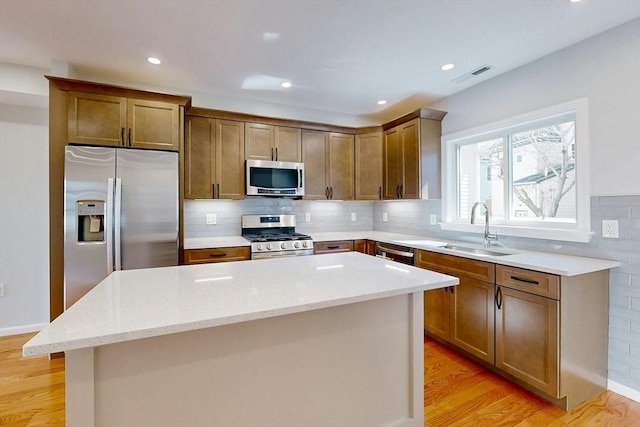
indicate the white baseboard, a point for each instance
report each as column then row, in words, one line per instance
column 15, row 330
column 623, row 390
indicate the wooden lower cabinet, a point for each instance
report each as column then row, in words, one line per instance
column 203, row 256
column 527, row 345
column 364, row 246
column 436, row 312
column 332, row 247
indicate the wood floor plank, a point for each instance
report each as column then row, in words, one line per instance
column 458, row 392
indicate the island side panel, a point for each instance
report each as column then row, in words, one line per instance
column 352, row 365
column 79, row 388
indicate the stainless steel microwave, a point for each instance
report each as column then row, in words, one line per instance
column 276, row 179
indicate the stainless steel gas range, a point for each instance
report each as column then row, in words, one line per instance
column 275, row 236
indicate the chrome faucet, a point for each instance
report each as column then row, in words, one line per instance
column 488, row 237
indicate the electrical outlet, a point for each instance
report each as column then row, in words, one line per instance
column 385, row 217
column 433, row 219
column 610, row 229
column 1, row 289
column 353, row 216
column 212, row 219
column 307, row 217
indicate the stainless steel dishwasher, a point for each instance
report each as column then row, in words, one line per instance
column 401, row 254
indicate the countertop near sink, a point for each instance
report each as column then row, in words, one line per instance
column 563, row 265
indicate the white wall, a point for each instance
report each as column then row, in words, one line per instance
column 24, row 218
column 605, row 69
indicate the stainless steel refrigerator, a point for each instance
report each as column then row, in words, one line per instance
column 121, row 213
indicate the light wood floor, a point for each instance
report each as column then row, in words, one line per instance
column 458, row 392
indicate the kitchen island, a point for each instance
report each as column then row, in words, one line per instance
column 314, row 341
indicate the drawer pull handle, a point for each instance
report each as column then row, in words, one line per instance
column 333, row 247
column 531, row 282
column 217, row 255
column 381, row 248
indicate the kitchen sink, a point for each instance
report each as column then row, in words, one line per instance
column 476, row 251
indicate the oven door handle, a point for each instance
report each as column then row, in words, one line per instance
column 394, row 251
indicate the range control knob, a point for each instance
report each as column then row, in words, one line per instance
column 296, row 245
column 305, row 244
column 268, row 246
column 283, row 245
column 259, row 246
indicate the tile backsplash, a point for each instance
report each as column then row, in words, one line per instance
column 412, row 217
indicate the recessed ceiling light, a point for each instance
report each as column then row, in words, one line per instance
column 575, row 1
column 382, row 102
column 447, row 67
column 285, row 84
column 154, row 61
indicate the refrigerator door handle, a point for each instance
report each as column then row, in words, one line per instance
column 116, row 224
column 108, row 225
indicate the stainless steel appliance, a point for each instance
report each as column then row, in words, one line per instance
column 275, row 236
column 275, row 179
column 120, row 212
column 401, row 254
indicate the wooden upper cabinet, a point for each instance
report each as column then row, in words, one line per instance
column 214, row 159
column 153, row 124
column 392, row 164
column 98, row 119
column 401, row 151
column 259, row 142
column 229, row 165
column 199, row 155
column 314, row 156
column 341, row 166
column 288, row 144
column 368, row 171
column 267, row 142
column 328, row 165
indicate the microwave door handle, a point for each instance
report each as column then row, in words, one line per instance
column 300, row 180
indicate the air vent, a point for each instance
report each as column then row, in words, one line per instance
column 472, row 74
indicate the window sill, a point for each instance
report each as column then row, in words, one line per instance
column 525, row 232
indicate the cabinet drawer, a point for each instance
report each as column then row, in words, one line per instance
column 534, row 282
column 201, row 256
column 457, row 266
column 333, row 247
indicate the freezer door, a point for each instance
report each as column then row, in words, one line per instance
column 149, row 208
column 88, row 171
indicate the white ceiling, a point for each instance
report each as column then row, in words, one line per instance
column 342, row 56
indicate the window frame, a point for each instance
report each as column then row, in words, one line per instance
column 580, row 231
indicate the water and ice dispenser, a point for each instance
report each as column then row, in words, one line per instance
column 91, row 216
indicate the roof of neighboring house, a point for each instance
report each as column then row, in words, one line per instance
column 541, row 176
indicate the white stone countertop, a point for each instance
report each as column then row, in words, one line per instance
column 135, row 304
column 560, row 264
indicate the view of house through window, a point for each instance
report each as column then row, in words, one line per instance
column 526, row 173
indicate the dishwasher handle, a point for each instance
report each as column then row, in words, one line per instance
column 394, row 251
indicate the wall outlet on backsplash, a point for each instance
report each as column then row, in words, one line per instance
column 211, row 219
column 307, row 217
column 353, row 216
column 385, row 217
column 433, row 219
column 610, row 229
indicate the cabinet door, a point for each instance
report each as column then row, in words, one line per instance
column 341, row 166
column 96, row 119
column 392, row 164
column 229, row 160
column 527, row 345
column 369, row 166
column 199, row 152
column 288, row 144
column 410, row 136
column 259, row 142
column 436, row 312
column 314, row 156
column 472, row 321
column 153, row 124
column 360, row 246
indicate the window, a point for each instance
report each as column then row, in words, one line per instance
column 526, row 171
